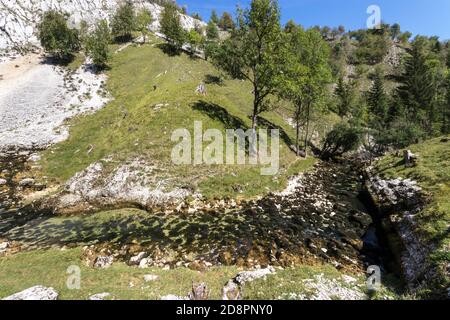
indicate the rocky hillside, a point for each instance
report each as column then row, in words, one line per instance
column 18, row 18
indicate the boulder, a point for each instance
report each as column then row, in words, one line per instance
column 26, row 182
column 103, row 262
column 136, row 260
column 3, row 182
column 35, row 293
column 4, row 245
column 233, row 288
column 150, row 277
column 409, row 158
column 171, row 297
column 99, row 296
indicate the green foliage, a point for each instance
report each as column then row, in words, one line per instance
column 306, row 73
column 372, row 48
column 97, row 44
column 446, row 109
column 212, row 32
column 395, row 31
column 345, row 93
column 255, row 52
column 342, row 139
column 418, row 86
column 377, row 99
column 448, row 58
column 56, row 37
column 171, row 27
column 195, row 40
column 405, row 36
column 214, row 18
column 399, row 134
column 124, row 22
column 143, row 20
column 226, row 22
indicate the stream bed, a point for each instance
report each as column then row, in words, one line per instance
column 323, row 221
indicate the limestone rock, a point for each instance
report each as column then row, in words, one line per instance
column 233, row 288
column 35, row 293
column 3, row 246
column 171, row 297
column 150, row 277
column 199, row 292
column 26, row 182
column 103, row 262
column 136, row 260
column 99, row 296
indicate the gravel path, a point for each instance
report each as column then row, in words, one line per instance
column 36, row 98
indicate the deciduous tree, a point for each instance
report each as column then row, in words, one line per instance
column 56, row 37
column 255, row 52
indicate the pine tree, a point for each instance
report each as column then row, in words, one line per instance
column 171, row 27
column 212, row 32
column 345, row 94
column 377, row 98
column 214, row 17
column 226, row 22
column 418, row 89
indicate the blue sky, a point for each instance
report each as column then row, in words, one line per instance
column 430, row 17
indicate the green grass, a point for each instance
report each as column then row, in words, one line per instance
column 76, row 62
column 130, row 126
column 433, row 175
column 49, row 268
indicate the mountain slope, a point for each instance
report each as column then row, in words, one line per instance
column 18, row 18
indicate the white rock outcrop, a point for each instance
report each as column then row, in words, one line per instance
column 35, row 293
column 132, row 182
column 18, row 18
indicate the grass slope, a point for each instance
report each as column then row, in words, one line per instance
column 49, row 268
column 131, row 126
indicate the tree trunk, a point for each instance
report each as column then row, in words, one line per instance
column 255, row 107
column 297, row 138
column 308, row 109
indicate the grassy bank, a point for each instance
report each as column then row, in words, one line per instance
column 432, row 173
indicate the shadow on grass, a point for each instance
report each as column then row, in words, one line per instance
column 219, row 113
column 271, row 126
column 169, row 50
column 212, row 79
column 58, row 61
